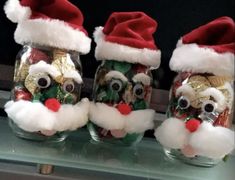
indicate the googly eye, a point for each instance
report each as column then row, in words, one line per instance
column 43, row 81
column 68, row 86
column 208, row 106
column 138, row 91
column 116, row 85
column 183, row 102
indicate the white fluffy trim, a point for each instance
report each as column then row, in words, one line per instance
column 143, row 78
column 113, row 51
column 229, row 87
column 34, row 116
column 218, row 96
column 52, row 33
column 15, row 12
column 116, row 75
column 172, row 133
column 186, row 90
column 111, row 119
column 213, row 142
column 43, row 67
column 192, row 58
column 208, row 140
column 74, row 75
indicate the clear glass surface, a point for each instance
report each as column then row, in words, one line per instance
column 185, row 107
column 119, row 84
column 48, row 82
column 143, row 160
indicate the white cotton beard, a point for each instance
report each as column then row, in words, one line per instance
column 172, row 133
column 34, row 116
column 208, row 140
column 213, row 142
column 110, row 118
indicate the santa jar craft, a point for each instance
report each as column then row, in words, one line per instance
column 47, row 82
column 197, row 130
column 122, row 89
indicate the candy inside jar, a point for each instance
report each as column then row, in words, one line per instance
column 122, row 93
column 47, row 85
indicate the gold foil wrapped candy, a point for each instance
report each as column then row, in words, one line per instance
column 199, row 84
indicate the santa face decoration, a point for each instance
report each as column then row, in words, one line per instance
column 122, row 88
column 46, row 92
column 48, row 70
column 121, row 97
column 199, row 117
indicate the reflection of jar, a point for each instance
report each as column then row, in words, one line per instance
column 197, row 130
column 109, row 155
column 122, row 88
column 122, row 92
column 46, row 86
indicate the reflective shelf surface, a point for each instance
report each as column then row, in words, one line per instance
column 78, row 151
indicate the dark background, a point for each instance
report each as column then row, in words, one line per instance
column 175, row 18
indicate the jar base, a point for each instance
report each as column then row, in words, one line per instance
column 174, row 154
column 128, row 140
column 33, row 136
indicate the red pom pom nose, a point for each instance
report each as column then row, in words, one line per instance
column 52, row 104
column 192, row 125
column 124, row 109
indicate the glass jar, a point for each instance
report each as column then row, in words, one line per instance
column 47, row 85
column 121, row 95
column 197, row 130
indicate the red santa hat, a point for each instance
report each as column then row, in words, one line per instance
column 207, row 49
column 128, row 36
column 55, row 23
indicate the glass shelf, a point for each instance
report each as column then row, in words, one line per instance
column 145, row 160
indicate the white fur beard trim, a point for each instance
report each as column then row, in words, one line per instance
column 172, row 133
column 208, row 140
column 110, row 118
column 212, row 142
column 34, row 116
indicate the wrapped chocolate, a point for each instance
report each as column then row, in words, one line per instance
column 198, row 128
column 45, row 103
column 123, row 84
